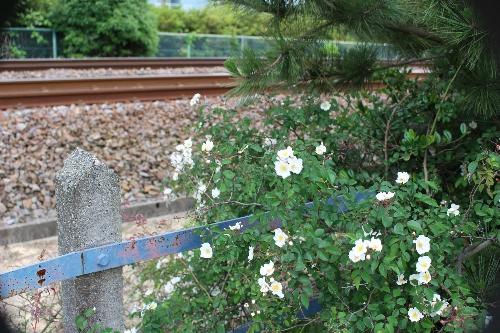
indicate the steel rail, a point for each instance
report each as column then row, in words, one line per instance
column 22, row 93
column 114, row 63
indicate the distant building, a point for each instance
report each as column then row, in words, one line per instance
column 186, row 4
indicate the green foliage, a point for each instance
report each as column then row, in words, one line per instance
column 443, row 32
column 83, row 324
column 210, row 20
column 368, row 139
column 106, row 28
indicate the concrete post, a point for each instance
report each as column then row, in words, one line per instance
column 88, row 215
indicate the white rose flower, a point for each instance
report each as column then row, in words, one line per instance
column 282, row 169
column 325, row 106
column 215, row 193
column 264, row 286
column 250, row 253
column 423, row 264
column 415, row 315
column 403, row 177
column 132, row 330
column 401, row 280
column 375, row 244
column 295, row 165
column 285, row 154
column 267, row 269
column 355, row 257
column 321, row 149
column 237, row 226
column 424, row 278
column 270, row 142
column 360, row 247
column 383, row 196
column 151, row 306
column 437, row 299
column 207, row 146
column 169, row 288
column 453, row 210
column 280, row 237
column 422, row 244
column 206, row 251
column 277, row 289
column 195, row 99
column 188, row 143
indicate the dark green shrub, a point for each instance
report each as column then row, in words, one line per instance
column 106, row 28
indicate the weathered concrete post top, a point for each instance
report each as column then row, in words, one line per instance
column 88, row 215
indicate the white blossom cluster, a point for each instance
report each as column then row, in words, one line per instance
column 286, row 163
column 361, row 247
column 422, row 246
column 275, row 287
column 206, row 251
column 183, row 156
column 169, row 287
column 453, row 210
column 325, row 105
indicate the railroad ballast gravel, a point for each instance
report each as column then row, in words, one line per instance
column 135, row 139
column 67, row 73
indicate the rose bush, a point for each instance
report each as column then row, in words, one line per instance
column 391, row 262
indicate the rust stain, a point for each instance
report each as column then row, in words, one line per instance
column 41, row 272
column 177, row 241
column 41, row 281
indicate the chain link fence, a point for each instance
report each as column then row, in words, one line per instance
column 46, row 43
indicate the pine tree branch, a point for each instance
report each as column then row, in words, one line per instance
column 412, row 30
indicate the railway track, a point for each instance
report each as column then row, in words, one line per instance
column 114, row 63
column 56, row 91
column 22, row 93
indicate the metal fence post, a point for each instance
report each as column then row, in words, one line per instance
column 54, row 44
column 88, row 215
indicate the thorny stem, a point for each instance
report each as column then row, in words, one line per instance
column 196, row 280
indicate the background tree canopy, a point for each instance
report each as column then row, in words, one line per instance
column 106, row 27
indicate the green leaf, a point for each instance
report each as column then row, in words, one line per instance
column 304, row 299
column 426, row 199
column 399, row 229
column 472, row 167
column 415, row 225
column 387, row 220
column 228, row 174
column 382, row 270
column 463, row 128
column 299, row 266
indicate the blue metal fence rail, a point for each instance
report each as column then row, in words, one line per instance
column 129, row 252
